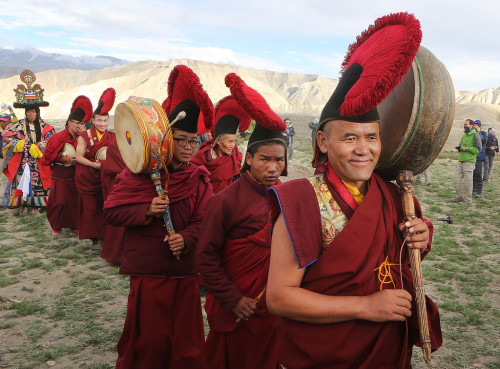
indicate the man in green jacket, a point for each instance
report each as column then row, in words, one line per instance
column 469, row 146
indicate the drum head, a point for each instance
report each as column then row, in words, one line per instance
column 140, row 127
column 129, row 138
column 68, row 150
column 101, row 153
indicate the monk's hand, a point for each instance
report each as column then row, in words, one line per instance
column 245, row 308
column 97, row 165
column 419, row 233
column 388, row 305
column 65, row 160
column 157, row 206
column 175, row 242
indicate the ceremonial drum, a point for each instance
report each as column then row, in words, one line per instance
column 140, row 127
column 416, row 118
column 101, row 153
column 68, row 150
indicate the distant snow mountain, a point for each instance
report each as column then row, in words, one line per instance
column 14, row 61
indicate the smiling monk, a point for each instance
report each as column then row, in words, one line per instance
column 335, row 277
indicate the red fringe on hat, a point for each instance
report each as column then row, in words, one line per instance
column 83, row 102
column 108, row 98
column 189, row 87
column 253, row 103
column 385, row 51
column 229, row 106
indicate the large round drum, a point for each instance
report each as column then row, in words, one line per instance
column 140, row 126
column 68, row 150
column 416, row 118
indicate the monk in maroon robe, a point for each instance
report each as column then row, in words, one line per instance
column 234, row 248
column 88, row 173
column 224, row 167
column 339, row 277
column 88, row 181
column 114, row 239
column 164, row 323
column 62, row 207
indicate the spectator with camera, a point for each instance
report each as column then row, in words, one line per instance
column 468, row 148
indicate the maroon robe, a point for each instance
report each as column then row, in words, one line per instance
column 62, row 206
column 114, row 239
column 224, row 169
column 346, row 268
column 164, row 323
column 233, row 257
column 91, row 223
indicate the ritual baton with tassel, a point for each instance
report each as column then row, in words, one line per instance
column 404, row 179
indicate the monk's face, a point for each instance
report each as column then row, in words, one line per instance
column 267, row 163
column 75, row 126
column 183, row 146
column 100, row 122
column 226, row 143
column 353, row 150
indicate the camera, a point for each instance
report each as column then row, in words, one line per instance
column 458, row 147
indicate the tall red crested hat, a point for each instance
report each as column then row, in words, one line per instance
column 185, row 93
column 81, row 110
column 269, row 126
column 372, row 68
column 106, row 101
column 229, row 116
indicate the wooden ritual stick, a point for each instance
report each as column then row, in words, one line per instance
column 256, row 301
column 404, row 179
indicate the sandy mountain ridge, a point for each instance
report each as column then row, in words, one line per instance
column 286, row 93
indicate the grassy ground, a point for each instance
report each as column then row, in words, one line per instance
column 59, row 302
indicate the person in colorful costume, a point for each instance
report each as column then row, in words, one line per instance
column 91, row 222
column 335, row 279
column 164, row 323
column 23, row 145
column 221, row 155
column 62, row 207
column 234, row 246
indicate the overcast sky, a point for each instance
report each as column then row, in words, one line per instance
column 280, row 35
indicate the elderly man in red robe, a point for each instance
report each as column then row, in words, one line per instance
column 335, row 277
column 221, row 155
column 62, row 206
column 114, row 238
column 234, row 246
column 164, row 323
column 88, row 174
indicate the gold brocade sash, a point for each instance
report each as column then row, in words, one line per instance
column 333, row 219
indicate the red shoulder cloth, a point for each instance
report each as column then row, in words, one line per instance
column 55, row 144
column 133, row 188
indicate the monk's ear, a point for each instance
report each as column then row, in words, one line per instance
column 321, row 139
column 248, row 159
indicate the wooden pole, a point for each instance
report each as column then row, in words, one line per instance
column 404, row 179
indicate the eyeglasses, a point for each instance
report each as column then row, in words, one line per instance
column 184, row 142
column 77, row 122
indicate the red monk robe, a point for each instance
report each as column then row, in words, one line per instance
column 62, row 206
column 348, row 267
column 164, row 323
column 224, row 169
column 114, row 240
column 88, row 181
column 233, row 258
